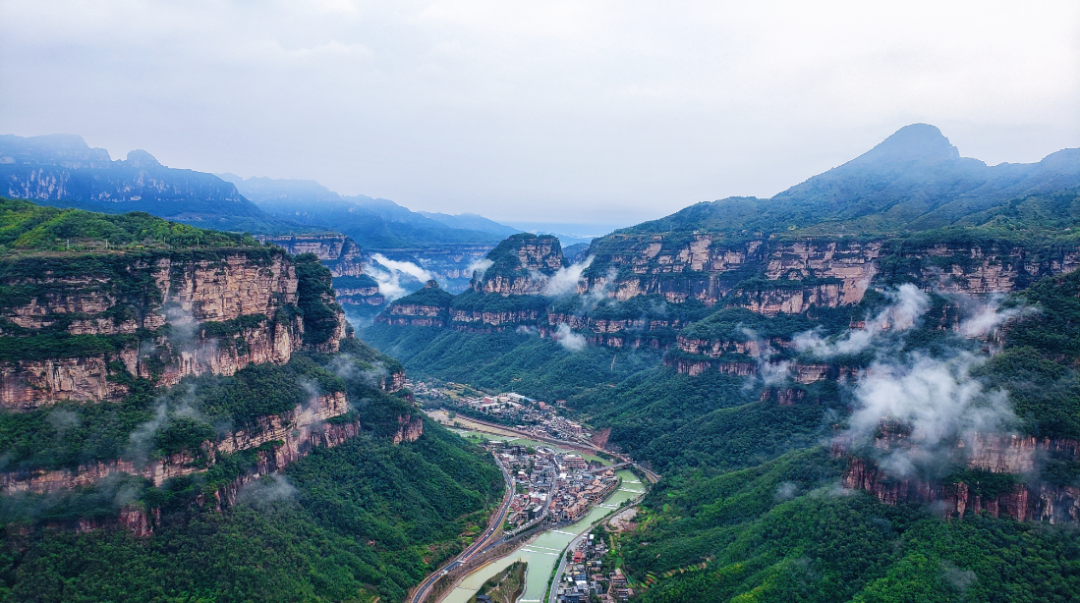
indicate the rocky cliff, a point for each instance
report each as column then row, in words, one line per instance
column 998, row 474
column 290, row 434
column 520, row 265
column 337, row 252
column 158, row 316
column 775, row 276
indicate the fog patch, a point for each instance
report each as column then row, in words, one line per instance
column 907, row 305
column 141, row 440
column 771, row 373
column 266, row 492
column 958, row 579
column 936, row 401
column 575, row 342
column 388, row 274
column 786, row 491
column 988, row 315
column 63, row 420
column 565, row 280
column 479, row 267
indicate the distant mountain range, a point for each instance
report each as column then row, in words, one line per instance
column 913, row 181
column 376, row 224
column 62, row 170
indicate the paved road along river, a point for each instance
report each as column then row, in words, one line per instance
column 542, row 554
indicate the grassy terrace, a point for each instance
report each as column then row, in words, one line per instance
column 29, row 229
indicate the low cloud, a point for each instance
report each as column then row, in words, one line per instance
column 267, row 492
column 565, row 280
column 987, row 315
column 907, row 305
column 771, row 373
column 404, row 267
column 936, row 401
column 570, row 340
column 388, row 273
column 479, row 267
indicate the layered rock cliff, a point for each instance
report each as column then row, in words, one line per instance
column 337, row 252
column 290, row 434
column 998, row 474
column 157, row 316
column 520, row 265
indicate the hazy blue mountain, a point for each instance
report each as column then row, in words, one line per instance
column 62, row 170
column 468, row 221
column 914, row 180
column 376, row 224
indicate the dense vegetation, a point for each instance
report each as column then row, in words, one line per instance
column 26, row 227
column 366, row 518
column 749, row 508
column 781, row 531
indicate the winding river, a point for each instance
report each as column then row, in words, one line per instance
column 542, row 552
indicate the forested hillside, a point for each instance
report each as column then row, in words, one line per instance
column 184, row 417
column 861, row 389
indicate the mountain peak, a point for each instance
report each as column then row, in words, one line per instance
column 141, row 159
column 917, row 142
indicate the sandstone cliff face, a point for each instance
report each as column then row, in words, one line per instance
column 1022, row 502
column 297, row 430
column 808, row 272
column 221, row 312
column 1026, row 499
column 409, row 429
column 521, row 266
column 337, row 252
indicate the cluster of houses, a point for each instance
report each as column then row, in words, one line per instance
column 584, row 576
column 559, row 486
column 533, row 416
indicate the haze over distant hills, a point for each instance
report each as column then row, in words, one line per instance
column 378, row 224
column 62, row 170
column 914, row 180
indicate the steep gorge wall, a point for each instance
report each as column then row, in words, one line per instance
column 160, row 318
column 1022, row 495
column 337, row 252
column 770, row 276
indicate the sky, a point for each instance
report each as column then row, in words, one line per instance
column 573, row 112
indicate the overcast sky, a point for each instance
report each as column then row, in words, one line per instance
column 607, row 112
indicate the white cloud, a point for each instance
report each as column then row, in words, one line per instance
column 907, row 304
column 575, row 342
column 388, row 274
column 937, row 399
column 527, row 111
column 479, row 266
column 565, row 280
column 988, row 315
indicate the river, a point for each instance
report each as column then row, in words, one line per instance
column 542, row 554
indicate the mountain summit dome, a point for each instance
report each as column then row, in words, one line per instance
column 917, row 142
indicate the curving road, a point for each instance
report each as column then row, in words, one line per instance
column 475, row 548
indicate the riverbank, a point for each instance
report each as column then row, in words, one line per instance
column 543, row 552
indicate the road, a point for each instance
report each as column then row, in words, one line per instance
column 476, row 547
column 625, row 460
column 557, row 580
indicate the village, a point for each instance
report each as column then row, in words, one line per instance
column 587, row 574
column 551, row 486
column 537, row 418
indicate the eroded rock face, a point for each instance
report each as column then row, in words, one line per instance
column 229, row 289
column 1000, row 454
column 339, row 253
column 222, row 313
column 297, row 429
column 522, row 265
column 409, row 429
column 808, row 272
